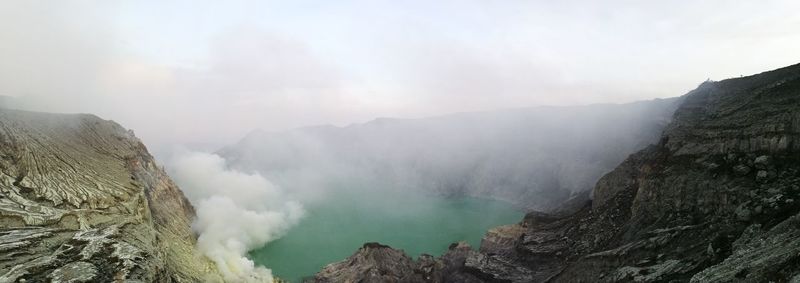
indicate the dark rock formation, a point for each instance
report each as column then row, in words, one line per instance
column 81, row 200
column 716, row 200
column 379, row 263
column 372, row 263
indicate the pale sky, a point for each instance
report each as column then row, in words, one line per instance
column 212, row 71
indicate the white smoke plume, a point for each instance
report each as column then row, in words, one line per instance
column 236, row 212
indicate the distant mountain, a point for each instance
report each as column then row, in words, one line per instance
column 533, row 157
column 717, row 199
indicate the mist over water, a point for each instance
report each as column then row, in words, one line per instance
column 422, row 184
column 291, row 202
column 532, row 157
column 522, row 78
column 254, row 228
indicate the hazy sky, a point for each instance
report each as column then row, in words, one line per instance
column 211, row 71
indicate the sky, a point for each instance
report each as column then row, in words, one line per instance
column 209, row 72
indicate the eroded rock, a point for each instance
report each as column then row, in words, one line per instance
column 83, row 201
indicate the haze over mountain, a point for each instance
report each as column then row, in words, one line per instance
column 715, row 200
column 534, row 157
column 570, row 112
column 205, row 72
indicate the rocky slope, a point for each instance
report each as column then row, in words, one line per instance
column 536, row 157
column 717, row 199
column 81, row 200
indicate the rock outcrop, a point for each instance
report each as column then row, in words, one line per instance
column 81, row 200
column 717, row 199
column 376, row 263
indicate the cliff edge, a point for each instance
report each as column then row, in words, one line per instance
column 81, row 200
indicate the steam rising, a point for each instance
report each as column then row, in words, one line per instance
column 236, row 212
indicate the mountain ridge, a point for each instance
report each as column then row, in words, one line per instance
column 260, row 131
column 715, row 200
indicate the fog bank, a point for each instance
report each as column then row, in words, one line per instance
column 533, row 157
column 210, row 71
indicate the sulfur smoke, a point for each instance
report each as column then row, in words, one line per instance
column 236, row 212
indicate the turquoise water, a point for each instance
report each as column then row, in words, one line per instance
column 335, row 229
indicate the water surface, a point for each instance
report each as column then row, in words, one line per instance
column 333, row 230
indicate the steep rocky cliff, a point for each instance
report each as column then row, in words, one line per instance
column 81, row 200
column 717, row 199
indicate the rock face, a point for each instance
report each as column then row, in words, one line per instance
column 717, row 199
column 376, row 263
column 81, row 200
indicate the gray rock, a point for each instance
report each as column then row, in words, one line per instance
column 74, row 272
column 741, row 169
column 762, row 162
column 373, row 263
column 762, row 176
column 379, row 263
column 83, row 201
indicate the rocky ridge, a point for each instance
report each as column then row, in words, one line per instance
column 717, row 199
column 81, row 200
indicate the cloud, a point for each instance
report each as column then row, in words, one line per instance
column 203, row 71
column 236, row 212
